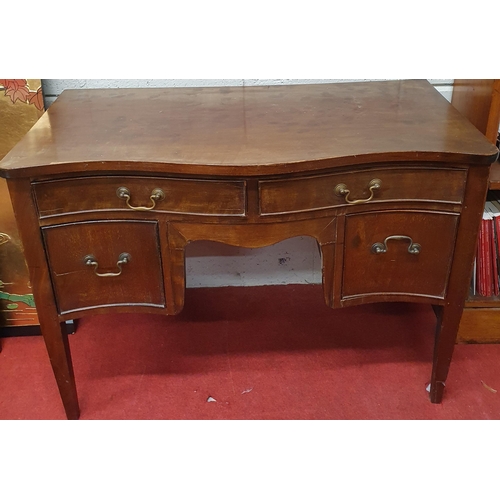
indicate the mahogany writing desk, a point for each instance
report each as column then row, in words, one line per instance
column 110, row 186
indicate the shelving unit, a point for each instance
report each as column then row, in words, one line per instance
column 479, row 101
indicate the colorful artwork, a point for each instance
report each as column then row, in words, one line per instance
column 21, row 104
column 19, row 90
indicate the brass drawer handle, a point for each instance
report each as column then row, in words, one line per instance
column 156, row 195
column 123, row 258
column 373, row 185
column 413, row 248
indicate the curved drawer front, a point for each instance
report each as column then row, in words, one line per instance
column 183, row 196
column 406, row 253
column 106, row 263
column 370, row 186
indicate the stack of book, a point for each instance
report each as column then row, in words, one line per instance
column 485, row 278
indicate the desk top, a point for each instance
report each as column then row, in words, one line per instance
column 247, row 130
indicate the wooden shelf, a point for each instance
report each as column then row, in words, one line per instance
column 476, row 301
column 479, row 101
column 480, row 326
column 495, row 176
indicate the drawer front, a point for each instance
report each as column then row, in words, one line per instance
column 374, row 186
column 183, row 196
column 398, row 253
column 108, row 263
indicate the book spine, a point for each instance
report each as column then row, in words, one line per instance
column 481, row 260
column 491, row 256
column 488, row 259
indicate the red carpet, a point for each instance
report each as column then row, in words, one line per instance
column 272, row 352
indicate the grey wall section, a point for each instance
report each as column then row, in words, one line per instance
column 209, row 264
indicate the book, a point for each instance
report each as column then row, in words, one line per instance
column 484, row 275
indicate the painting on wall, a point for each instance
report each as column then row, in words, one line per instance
column 21, row 105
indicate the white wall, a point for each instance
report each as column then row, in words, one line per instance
column 210, row 264
column 52, row 88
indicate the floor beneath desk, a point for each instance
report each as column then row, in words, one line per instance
column 272, row 352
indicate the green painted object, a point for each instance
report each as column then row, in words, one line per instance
column 12, row 297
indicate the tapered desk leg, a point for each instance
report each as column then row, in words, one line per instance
column 56, row 341
column 53, row 331
column 448, row 319
column 449, row 314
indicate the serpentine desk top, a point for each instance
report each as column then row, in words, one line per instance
column 247, row 130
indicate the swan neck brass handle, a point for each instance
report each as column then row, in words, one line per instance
column 123, row 258
column 342, row 190
column 413, row 248
column 156, row 195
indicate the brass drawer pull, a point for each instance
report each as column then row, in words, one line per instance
column 156, row 195
column 341, row 190
column 414, row 248
column 123, row 258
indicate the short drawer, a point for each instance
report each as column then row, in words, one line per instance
column 108, row 263
column 396, row 253
column 369, row 186
column 182, row 196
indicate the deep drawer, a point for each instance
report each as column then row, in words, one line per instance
column 108, row 263
column 396, row 253
column 396, row 184
column 183, row 196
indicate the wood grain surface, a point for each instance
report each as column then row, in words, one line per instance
column 247, row 131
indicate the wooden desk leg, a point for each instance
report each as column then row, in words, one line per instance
column 56, row 341
column 54, row 333
column 449, row 315
column 448, row 319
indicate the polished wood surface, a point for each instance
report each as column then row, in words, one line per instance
column 246, row 130
column 397, row 273
column 387, row 177
column 139, row 281
column 182, row 196
column 405, row 184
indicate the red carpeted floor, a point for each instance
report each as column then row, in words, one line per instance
column 273, row 352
